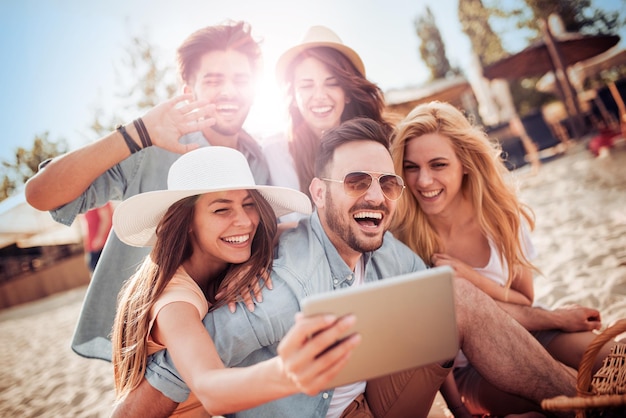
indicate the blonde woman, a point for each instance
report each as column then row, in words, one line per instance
column 212, row 233
column 462, row 212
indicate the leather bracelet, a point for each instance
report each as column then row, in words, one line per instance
column 146, row 141
column 132, row 145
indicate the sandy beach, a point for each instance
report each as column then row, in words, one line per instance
column 580, row 206
column 580, row 236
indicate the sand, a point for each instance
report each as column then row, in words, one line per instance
column 580, row 205
column 40, row 375
column 580, row 208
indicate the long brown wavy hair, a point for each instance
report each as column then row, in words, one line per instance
column 172, row 248
column 365, row 100
column 497, row 207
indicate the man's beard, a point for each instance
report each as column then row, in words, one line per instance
column 232, row 127
column 334, row 222
column 227, row 130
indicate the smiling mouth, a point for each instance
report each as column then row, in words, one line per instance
column 237, row 239
column 227, row 108
column 431, row 194
column 369, row 219
column 321, row 110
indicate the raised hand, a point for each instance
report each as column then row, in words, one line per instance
column 167, row 122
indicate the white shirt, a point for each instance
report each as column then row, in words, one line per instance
column 344, row 395
column 498, row 271
column 282, row 167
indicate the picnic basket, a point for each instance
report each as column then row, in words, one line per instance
column 604, row 393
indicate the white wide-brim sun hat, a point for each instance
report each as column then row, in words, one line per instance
column 317, row 36
column 205, row 170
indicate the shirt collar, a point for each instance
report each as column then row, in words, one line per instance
column 338, row 267
column 248, row 147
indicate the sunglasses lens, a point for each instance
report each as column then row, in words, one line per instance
column 356, row 184
column 391, row 186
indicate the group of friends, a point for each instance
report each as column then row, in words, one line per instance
column 218, row 237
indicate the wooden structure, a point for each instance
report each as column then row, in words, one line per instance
column 456, row 91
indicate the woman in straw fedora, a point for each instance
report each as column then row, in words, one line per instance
column 465, row 214
column 324, row 84
column 212, row 233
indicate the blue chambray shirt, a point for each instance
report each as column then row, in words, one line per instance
column 307, row 263
column 141, row 172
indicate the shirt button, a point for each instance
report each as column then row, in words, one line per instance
column 335, row 281
column 325, row 395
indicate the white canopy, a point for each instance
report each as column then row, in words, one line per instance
column 26, row 226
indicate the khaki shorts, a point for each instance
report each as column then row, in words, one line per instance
column 409, row 393
column 469, row 381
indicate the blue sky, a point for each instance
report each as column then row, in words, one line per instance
column 61, row 58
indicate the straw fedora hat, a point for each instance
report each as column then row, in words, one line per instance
column 314, row 37
column 205, row 170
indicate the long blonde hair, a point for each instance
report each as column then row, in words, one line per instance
column 497, row 207
column 172, row 248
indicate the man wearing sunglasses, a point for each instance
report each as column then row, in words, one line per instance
column 346, row 243
column 357, row 183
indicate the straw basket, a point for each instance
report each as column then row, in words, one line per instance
column 604, row 395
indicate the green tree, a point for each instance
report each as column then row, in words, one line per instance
column 474, row 18
column 577, row 15
column 16, row 172
column 432, row 48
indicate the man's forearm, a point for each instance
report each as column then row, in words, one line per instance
column 69, row 175
column 572, row 318
column 531, row 318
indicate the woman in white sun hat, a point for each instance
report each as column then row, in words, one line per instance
column 212, row 234
column 324, row 84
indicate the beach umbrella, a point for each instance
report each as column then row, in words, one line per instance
column 554, row 53
column 607, row 60
column 610, row 59
column 535, row 60
column 614, row 57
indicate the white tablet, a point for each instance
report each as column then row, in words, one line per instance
column 405, row 322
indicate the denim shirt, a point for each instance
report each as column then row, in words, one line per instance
column 141, row 172
column 307, row 263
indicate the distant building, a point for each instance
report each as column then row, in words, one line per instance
column 38, row 256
